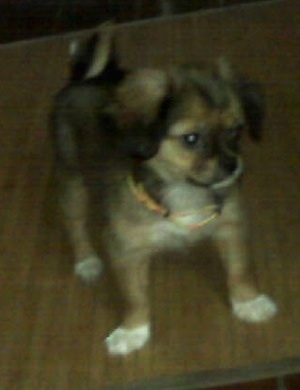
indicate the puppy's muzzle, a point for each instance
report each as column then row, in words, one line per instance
column 232, row 178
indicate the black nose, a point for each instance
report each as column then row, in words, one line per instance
column 229, row 164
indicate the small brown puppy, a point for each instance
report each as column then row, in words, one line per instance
column 155, row 155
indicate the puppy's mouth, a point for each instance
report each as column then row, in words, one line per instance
column 228, row 175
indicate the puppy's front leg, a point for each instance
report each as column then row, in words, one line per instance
column 247, row 303
column 132, row 276
column 74, row 204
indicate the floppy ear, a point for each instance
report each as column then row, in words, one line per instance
column 140, row 95
column 251, row 95
column 253, row 102
column 141, row 100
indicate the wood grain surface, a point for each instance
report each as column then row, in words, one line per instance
column 51, row 326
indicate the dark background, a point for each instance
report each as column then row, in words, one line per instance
column 26, row 19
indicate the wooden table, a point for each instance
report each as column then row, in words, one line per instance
column 51, row 326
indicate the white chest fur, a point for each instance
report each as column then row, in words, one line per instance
column 192, row 210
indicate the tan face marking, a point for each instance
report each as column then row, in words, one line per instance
column 195, row 117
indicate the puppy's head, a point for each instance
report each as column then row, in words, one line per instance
column 189, row 122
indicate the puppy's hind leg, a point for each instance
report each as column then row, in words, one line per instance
column 74, row 201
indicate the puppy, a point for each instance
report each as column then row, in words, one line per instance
column 154, row 155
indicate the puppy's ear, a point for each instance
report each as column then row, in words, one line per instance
column 140, row 96
column 253, row 102
column 141, row 105
column 251, row 95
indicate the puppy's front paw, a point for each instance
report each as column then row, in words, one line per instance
column 89, row 269
column 123, row 342
column 259, row 309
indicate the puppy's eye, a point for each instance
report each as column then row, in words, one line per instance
column 191, row 140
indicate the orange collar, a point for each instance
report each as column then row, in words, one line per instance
column 143, row 197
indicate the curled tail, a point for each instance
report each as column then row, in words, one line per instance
column 95, row 56
column 93, row 64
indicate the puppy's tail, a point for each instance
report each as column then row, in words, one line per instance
column 95, row 56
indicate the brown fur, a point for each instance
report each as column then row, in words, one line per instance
column 134, row 123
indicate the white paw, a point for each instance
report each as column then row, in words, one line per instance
column 258, row 309
column 89, row 269
column 122, row 341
